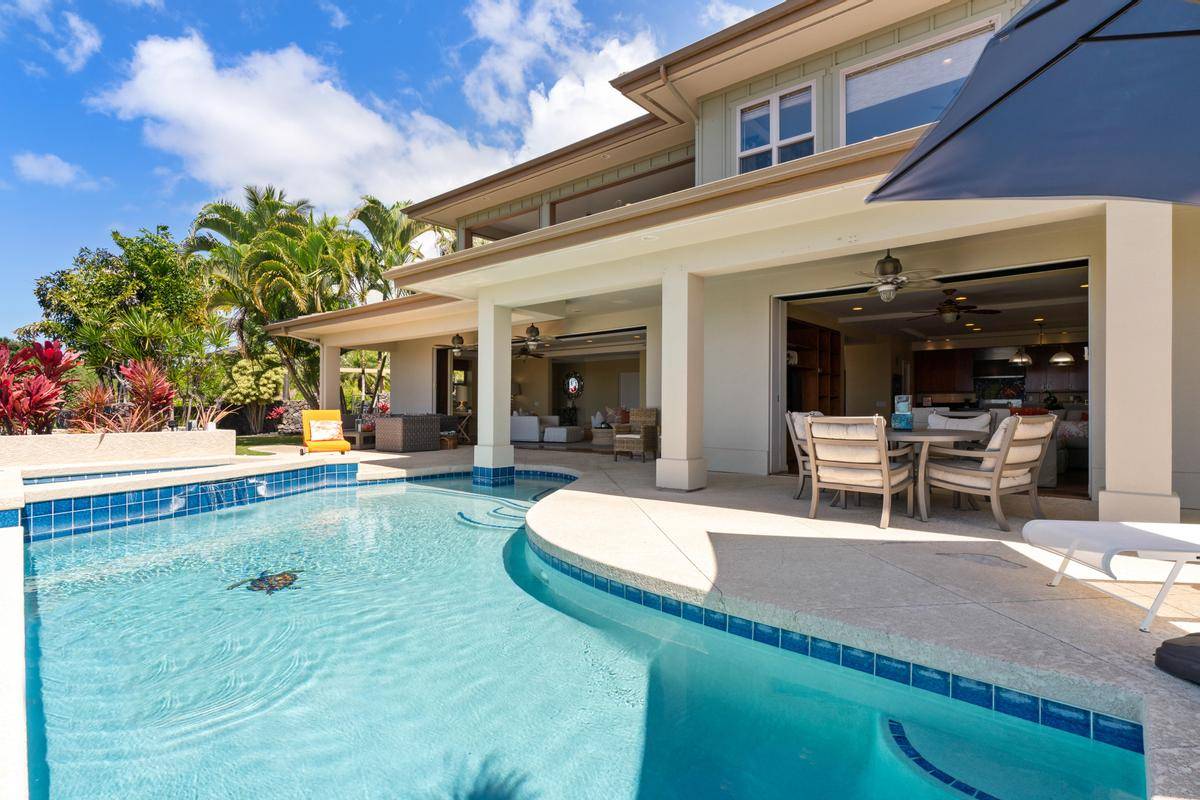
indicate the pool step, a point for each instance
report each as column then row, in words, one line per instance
column 899, row 738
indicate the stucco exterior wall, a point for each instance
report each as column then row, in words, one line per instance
column 93, row 448
column 738, row 340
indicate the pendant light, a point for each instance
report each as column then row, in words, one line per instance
column 1062, row 358
column 456, row 345
column 1021, row 358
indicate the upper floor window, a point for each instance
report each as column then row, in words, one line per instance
column 905, row 91
column 775, row 129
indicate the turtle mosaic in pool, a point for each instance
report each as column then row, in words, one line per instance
column 441, row 657
column 270, row 583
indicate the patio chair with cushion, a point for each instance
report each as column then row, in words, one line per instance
column 794, row 422
column 323, row 431
column 1013, row 457
column 851, row 454
column 639, row 435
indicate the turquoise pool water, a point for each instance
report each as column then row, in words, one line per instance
column 424, row 652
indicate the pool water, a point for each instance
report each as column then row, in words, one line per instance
column 424, row 652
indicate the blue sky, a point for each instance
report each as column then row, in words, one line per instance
column 132, row 113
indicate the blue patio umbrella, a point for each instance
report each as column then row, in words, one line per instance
column 1072, row 98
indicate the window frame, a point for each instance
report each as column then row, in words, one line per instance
column 775, row 143
column 987, row 24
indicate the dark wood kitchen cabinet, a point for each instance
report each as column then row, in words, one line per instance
column 943, row 372
column 1042, row 376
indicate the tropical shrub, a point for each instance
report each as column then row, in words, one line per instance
column 151, row 400
column 91, row 407
column 32, row 384
column 253, row 384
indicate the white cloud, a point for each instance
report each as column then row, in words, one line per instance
column 36, row 11
column 722, row 13
column 281, row 117
column 548, row 36
column 337, row 17
column 582, row 102
column 81, row 42
column 518, row 41
column 51, row 170
column 155, row 4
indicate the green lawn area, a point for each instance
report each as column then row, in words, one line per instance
column 246, row 444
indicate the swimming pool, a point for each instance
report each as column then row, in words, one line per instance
column 424, row 651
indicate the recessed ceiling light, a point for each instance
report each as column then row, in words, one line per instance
column 1039, row 319
column 969, row 325
column 961, row 297
column 637, row 336
column 857, row 308
column 977, row 330
column 947, row 340
column 1083, row 286
column 589, row 341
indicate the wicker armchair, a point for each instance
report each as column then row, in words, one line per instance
column 638, row 436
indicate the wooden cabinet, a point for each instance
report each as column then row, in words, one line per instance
column 1042, row 376
column 943, row 372
column 815, row 380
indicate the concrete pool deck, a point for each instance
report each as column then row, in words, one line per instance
column 954, row 593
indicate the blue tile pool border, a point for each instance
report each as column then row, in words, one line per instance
column 92, row 476
column 1093, row 725
column 905, row 746
column 71, row 516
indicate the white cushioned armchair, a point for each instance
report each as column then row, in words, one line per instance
column 851, row 454
column 1008, row 466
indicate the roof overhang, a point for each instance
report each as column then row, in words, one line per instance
column 821, row 171
column 671, row 87
column 418, row 316
column 627, row 142
column 786, row 216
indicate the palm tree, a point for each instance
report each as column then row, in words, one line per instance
column 393, row 236
column 237, row 241
column 393, row 242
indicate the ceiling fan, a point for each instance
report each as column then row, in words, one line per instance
column 526, row 351
column 950, row 309
column 888, row 278
column 526, row 346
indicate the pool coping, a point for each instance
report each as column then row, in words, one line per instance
column 1034, row 709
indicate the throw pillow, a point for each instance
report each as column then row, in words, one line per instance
column 324, row 430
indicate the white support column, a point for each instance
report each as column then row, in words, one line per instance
column 329, row 387
column 1138, row 364
column 494, row 450
column 654, row 360
column 681, row 464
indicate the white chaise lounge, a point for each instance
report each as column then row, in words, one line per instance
column 1095, row 544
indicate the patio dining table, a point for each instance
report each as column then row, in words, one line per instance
column 924, row 437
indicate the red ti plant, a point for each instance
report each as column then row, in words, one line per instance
column 151, row 398
column 31, row 386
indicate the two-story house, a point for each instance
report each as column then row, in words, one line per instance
column 705, row 239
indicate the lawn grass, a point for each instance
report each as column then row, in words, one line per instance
column 245, row 444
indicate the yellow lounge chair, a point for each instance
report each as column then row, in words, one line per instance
column 327, row 446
